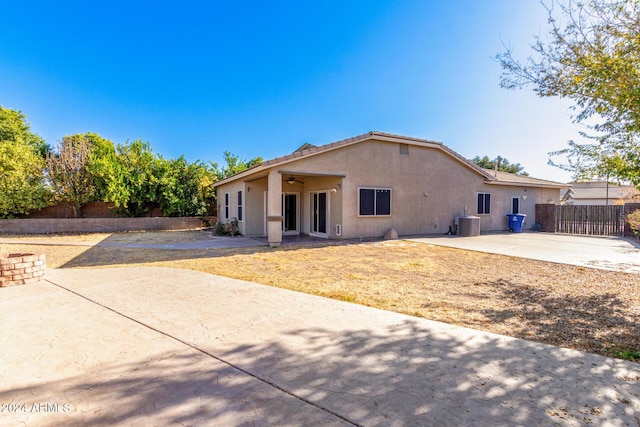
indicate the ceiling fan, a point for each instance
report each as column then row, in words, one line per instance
column 292, row 180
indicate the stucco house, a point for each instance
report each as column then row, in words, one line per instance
column 365, row 185
column 598, row 192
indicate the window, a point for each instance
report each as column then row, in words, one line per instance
column 404, row 149
column 375, row 201
column 515, row 205
column 484, row 203
column 226, row 205
column 239, row 205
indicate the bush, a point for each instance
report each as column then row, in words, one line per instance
column 227, row 229
column 22, row 182
column 634, row 221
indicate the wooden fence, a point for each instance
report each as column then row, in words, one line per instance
column 590, row 219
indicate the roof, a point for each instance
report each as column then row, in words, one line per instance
column 312, row 149
column 595, row 189
column 309, row 150
column 506, row 178
column 304, row 146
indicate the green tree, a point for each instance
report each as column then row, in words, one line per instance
column 102, row 150
column 134, row 178
column 234, row 164
column 70, row 179
column 503, row 165
column 22, row 185
column 128, row 177
column 22, row 188
column 633, row 219
column 14, row 128
column 184, row 189
column 592, row 57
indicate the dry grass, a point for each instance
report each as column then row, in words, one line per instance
column 144, row 237
column 575, row 307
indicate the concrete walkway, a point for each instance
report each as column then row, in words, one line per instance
column 159, row 346
column 610, row 253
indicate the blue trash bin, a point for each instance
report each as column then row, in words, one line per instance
column 516, row 222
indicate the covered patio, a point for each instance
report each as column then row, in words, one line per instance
column 293, row 203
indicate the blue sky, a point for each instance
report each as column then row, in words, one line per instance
column 261, row 78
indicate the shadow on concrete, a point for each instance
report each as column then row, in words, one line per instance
column 635, row 241
column 112, row 251
column 173, row 389
column 599, row 323
column 405, row 374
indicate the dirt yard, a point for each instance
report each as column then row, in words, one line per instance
column 574, row 307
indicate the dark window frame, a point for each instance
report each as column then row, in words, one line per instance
column 240, row 205
column 378, row 199
column 513, row 205
column 484, row 203
column 226, row 205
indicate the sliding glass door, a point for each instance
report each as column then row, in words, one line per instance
column 319, row 213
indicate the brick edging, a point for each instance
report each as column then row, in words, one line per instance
column 20, row 269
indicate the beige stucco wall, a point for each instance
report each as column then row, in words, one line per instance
column 254, row 218
column 254, row 189
column 501, row 204
column 232, row 189
column 429, row 189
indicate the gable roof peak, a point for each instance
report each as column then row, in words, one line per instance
column 305, row 146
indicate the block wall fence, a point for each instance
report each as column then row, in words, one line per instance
column 97, row 225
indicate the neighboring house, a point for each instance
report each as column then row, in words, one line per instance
column 595, row 192
column 365, row 185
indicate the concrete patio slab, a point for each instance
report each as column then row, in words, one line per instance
column 69, row 361
column 164, row 346
column 609, row 253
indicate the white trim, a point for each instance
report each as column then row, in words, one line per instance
column 297, row 230
column 519, row 207
column 328, row 211
column 284, row 233
column 477, row 194
column 240, row 205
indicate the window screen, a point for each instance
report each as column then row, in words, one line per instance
column 383, row 202
column 367, row 201
column 484, row 203
column 375, row 201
